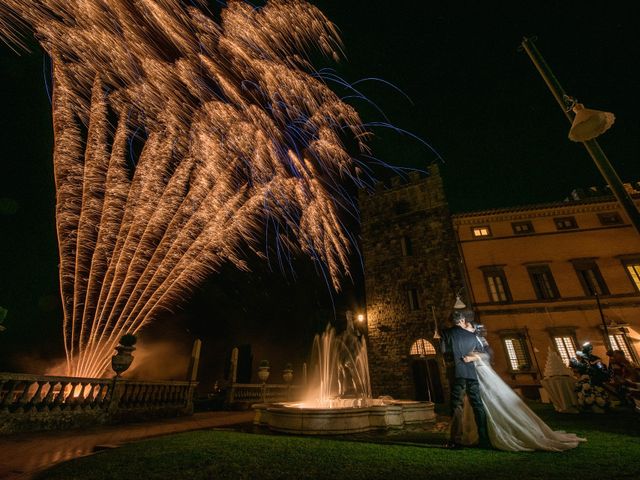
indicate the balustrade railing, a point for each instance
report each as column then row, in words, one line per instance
column 35, row 402
column 155, row 394
column 21, row 393
column 257, row 392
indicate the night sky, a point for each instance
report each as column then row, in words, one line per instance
column 474, row 98
column 480, row 102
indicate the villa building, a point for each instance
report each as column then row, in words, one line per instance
column 552, row 276
column 539, row 276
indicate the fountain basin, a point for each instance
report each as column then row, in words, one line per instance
column 381, row 415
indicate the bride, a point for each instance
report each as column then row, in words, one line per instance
column 512, row 425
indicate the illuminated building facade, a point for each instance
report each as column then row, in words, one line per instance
column 536, row 274
column 532, row 274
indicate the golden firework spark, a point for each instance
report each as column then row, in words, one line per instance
column 177, row 140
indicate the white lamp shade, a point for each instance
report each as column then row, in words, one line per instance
column 589, row 124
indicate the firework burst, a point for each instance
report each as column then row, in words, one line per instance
column 178, row 140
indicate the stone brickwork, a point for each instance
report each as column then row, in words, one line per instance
column 426, row 268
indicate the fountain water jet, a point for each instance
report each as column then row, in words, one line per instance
column 340, row 399
column 340, row 370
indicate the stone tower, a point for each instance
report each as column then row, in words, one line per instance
column 412, row 270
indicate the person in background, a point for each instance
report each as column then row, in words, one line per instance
column 593, row 376
column 625, row 377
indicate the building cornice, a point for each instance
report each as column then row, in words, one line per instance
column 555, row 209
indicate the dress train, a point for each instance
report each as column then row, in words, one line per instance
column 512, row 425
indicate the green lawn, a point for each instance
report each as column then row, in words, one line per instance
column 612, row 452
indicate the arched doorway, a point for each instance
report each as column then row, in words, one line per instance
column 426, row 372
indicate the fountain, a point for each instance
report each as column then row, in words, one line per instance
column 339, row 400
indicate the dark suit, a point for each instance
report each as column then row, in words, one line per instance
column 456, row 344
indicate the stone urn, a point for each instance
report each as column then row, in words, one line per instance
column 287, row 373
column 263, row 371
column 121, row 361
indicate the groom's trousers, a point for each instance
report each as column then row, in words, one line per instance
column 458, row 388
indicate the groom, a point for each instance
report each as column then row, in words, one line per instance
column 458, row 344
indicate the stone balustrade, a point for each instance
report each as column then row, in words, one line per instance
column 136, row 400
column 38, row 402
column 35, row 393
column 257, row 392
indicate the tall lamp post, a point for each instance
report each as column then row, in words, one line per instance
column 586, row 126
column 607, row 342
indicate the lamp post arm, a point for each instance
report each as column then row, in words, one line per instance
column 547, row 75
column 533, row 350
column 593, row 148
column 604, row 322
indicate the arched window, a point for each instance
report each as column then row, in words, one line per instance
column 422, row 347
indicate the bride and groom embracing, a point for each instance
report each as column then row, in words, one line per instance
column 502, row 420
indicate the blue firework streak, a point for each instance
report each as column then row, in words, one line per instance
column 177, row 141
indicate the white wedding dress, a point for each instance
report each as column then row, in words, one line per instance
column 511, row 423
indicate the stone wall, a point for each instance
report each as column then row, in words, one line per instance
column 416, row 209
